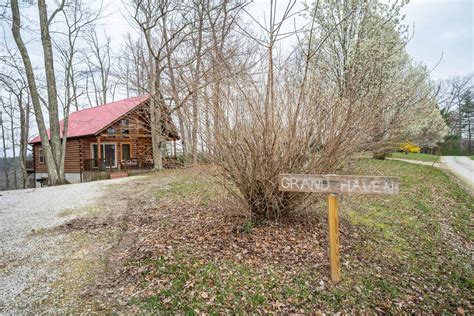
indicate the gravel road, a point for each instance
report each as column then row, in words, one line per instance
column 28, row 258
column 463, row 167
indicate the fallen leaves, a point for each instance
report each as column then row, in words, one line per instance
column 196, row 255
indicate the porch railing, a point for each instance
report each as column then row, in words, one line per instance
column 135, row 164
column 128, row 164
column 98, row 164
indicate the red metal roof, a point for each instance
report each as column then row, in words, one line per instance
column 93, row 120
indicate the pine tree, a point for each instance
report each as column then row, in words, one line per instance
column 466, row 113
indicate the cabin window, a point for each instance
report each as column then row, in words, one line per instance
column 124, row 128
column 111, row 131
column 108, row 154
column 41, row 156
column 125, row 151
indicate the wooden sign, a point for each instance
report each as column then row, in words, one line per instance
column 337, row 184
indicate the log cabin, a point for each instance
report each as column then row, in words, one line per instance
column 107, row 141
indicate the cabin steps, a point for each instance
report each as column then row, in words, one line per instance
column 118, row 174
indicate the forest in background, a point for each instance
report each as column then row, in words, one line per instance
column 219, row 69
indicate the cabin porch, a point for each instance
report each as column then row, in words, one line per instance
column 126, row 155
column 103, row 164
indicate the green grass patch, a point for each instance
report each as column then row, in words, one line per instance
column 189, row 186
column 427, row 195
column 415, row 156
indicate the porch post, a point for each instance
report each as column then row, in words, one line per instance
column 136, row 153
column 99, row 148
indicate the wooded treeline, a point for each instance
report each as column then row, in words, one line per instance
column 241, row 99
column 456, row 101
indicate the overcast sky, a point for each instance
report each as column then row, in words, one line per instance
column 443, row 32
column 443, row 29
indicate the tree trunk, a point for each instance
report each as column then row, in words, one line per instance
column 74, row 89
column 55, row 139
column 208, row 127
column 155, row 113
column 469, row 133
column 159, row 105
column 12, row 135
column 182, row 131
column 174, row 93
column 5, row 163
column 53, row 176
column 24, row 129
column 197, row 70
column 216, row 111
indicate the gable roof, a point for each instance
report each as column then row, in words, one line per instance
column 91, row 121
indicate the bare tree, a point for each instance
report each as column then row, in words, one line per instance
column 99, row 64
column 197, row 44
column 164, row 29
column 132, row 75
column 449, row 98
column 76, row 17
column 51, row 144
column 78, row 20
column 149, row 15
column 15, row 85
column 10, row 110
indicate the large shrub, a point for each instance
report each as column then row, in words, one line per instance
column 409, row 147
column 313, row 110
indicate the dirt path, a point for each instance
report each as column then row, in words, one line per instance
column 416, row 162
column 28, row 257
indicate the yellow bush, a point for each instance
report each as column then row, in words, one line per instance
column 409, row 147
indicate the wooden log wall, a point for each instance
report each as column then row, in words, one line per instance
column 72, row 162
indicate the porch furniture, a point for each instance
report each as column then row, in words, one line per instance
column 42, row 180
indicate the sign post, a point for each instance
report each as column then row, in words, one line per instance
column 335, row 184
column 333, row 221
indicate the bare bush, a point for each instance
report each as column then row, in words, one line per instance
column 349, row 88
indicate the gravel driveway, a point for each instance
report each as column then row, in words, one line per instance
column 463, row 167
column 27, row 257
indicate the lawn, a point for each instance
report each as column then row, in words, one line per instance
column 186, row 247
column 415, row 156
